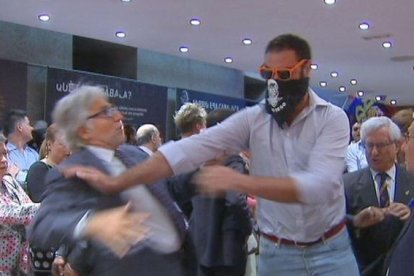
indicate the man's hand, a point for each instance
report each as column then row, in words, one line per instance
column 216, row 180
column 68, row 271
column 399, row 210
column 117, row 228
column 97, row 179
column 369, row 216
column 58, row 266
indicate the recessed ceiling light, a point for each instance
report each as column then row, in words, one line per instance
column 120, row 34
column 364, row 26
column 195, row 21
column 228, row 60
column 323, row 83
column 183, row 49
column 360, row 93
column 353, row 82
column 334, row 74
column 126, row 1
column 342, row 88
column 387, row 44
column 314, row 66
column 378, row 98
column 43, row 17
column 329, row 2
column 247, row 41
column 393, row 102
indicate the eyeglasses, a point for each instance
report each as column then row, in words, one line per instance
column 355, row 128
column 107, row 112
column 280, row 73
column 380, row 146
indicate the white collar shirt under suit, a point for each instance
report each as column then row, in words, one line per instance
column 311, row 151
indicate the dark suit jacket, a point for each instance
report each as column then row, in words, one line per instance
column 371, row 244
column 402, row 257
column 220, row 226
column 66, row 202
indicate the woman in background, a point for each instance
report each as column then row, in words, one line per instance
column 52, row 152
column 16, row 212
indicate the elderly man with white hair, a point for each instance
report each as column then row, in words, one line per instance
column 377, row 196
column 94, row 132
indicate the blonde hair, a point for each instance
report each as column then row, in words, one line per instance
column 188, row 116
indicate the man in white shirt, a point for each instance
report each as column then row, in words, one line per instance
column 355, row 154
column 298, row 143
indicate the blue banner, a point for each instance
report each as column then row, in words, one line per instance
column 139, row 102
column 209, row 101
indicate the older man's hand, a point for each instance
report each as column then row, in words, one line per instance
column 369, row 216
column 399, row 210
column 118, row 228
column 96, row 178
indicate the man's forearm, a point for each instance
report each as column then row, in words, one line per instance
column 152, row 170
column 276, row 189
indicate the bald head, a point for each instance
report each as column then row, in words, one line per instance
column 149, row 136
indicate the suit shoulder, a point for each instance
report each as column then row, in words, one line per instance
column 352, row 177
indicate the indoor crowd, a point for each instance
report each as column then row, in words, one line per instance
column 285, row 187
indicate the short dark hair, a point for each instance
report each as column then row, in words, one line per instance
column 290, row 42
column 13, row 116
column 217, row 116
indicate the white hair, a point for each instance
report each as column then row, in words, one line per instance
column 72, row 111
column 375, row 123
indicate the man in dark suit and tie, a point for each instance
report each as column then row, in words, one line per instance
column 377, row 196
column 94, row 131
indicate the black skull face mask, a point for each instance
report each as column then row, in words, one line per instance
column 282, row 98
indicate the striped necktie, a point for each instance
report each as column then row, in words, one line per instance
column 384, row 198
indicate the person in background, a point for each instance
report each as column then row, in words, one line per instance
column 190, row 119
column 148, row 138
column 403, row 120
column 55, row 152
column 130, row 137
column 18, row 131
column 16, row 212
column 38, row 133
column 409, row 148
column 377, row 197
column 355, row 154
column 220, row 226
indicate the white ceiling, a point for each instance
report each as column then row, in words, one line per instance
column 337, row 43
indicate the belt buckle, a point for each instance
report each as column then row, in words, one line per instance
column 299, row 246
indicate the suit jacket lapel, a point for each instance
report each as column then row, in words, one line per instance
column 367, row 194
column 403, row 187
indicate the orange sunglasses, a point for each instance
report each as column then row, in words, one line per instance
column 280, row 73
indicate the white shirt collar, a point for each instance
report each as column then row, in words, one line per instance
column 102, row 153
column 146, row 150
column 390, row 172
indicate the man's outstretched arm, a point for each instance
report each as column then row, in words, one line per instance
column 152, row 170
